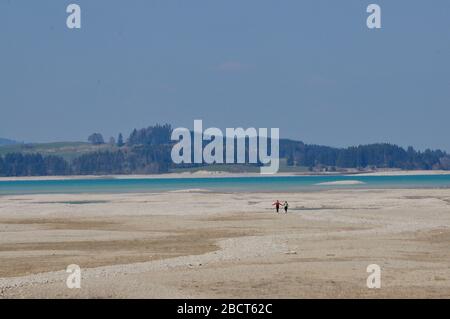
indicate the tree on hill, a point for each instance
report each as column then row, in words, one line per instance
column 96, row 139
column 17, row 164
column 152, row 135
column 120, row 142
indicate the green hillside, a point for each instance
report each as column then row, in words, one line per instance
column 67, row 150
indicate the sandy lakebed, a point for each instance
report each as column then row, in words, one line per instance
column 200, row 244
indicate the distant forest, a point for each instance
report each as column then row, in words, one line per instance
column 148, row 151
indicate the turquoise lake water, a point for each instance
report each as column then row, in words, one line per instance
column 220, row 184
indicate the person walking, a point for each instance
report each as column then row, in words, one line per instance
column 277, row 205
column 286, row 206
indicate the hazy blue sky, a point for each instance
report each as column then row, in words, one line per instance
column 312, row 68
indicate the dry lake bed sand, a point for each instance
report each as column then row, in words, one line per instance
column 197, row 244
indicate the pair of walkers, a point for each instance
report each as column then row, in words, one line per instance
column 277, row 205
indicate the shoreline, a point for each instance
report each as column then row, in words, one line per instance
column 219, row 174
column 230, row 246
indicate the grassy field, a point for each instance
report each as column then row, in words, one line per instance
column 67, row 150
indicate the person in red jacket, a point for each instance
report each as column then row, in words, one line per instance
column 277, row 205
